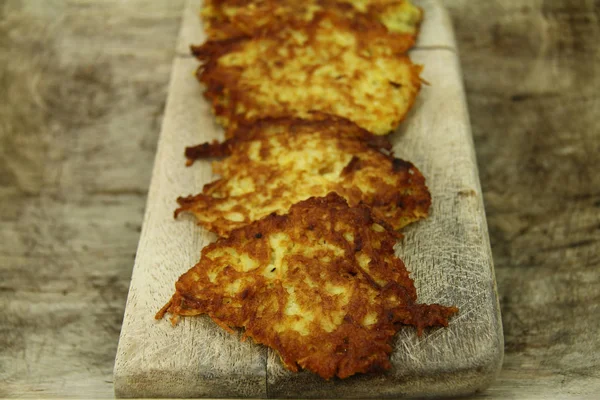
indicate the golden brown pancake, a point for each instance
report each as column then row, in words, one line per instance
column 319, row 123
column 329, row 65
column 282, row 162
column 320, row 285
column 224, row 19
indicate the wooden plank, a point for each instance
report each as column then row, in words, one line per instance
column 448, row 254
column 436, row 30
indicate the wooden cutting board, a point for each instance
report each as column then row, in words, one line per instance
column 448, row 255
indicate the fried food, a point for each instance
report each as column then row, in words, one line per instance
column 225, row 19
column 329, row 65
column 268, row 171
column 322, row 124
column 319, row 123
column 320, row 285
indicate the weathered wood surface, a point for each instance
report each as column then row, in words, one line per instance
column 448, row 255
column 83, row 88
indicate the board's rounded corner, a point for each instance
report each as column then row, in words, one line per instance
column 485, row 366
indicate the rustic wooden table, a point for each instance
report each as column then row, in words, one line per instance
column 83, row 88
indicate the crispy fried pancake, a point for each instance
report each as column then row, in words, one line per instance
column 225, row 19
column 329, row 65
column 320, row 123
column 320, row 285
column 270, row 172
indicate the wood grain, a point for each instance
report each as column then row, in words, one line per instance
column 80, row 112
column 448, row 255
column 74, row 175
column 532, row 73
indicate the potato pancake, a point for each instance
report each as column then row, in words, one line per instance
column 224, row 19
column 320, row 285
column 321, row 124
column 330, row 65
column 271, row 171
